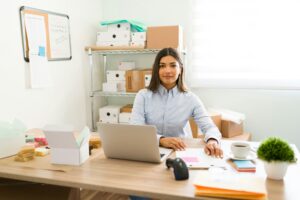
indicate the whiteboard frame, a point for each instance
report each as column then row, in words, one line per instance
column 23, row 10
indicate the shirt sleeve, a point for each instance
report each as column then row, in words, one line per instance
column 204, row 122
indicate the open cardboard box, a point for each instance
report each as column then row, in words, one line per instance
column 66, row 148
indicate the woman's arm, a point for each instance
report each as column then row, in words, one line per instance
column 207, row 126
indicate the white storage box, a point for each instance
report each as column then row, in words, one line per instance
column 126, row 65
column 124, row 117
column 65, row 147
column 119, row 27
column 116, row 43
column 109, row 114
column 138, row 36
column 115, row 75
column 113, row 36
column 141, row 44
column 147, row 79
column 114, row 86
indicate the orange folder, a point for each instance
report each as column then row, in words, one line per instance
column 230, row 185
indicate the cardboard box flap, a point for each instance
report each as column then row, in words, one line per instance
column 60, row 136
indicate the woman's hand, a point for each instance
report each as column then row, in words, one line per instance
column 172, row 142
column 213, row 148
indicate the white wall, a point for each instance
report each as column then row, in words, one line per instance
column 65, row 101
column 269, row 112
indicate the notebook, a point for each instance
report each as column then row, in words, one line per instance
column 196, row 158
column 131, row 142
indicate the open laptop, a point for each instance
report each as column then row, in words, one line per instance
column 131, row 142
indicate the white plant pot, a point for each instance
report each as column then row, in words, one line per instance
column 276, row 170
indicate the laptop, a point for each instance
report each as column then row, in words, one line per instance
column 131, row 142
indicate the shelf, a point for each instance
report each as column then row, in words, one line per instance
column 120, row 50
column 113, row 94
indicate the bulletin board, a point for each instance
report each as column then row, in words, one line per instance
column 50, row 29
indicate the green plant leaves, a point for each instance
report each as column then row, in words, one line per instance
column 275, row 149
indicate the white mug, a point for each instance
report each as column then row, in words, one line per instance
column 240, row 149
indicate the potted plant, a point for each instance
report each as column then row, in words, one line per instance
column 277, row 155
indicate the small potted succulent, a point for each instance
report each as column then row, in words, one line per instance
column 277, row 155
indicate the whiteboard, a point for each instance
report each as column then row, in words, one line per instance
column 57, row 29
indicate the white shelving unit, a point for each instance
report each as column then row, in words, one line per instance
column 104, row 52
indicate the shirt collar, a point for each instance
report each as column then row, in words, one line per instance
column 162, row 90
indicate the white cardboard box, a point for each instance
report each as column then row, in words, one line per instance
column 114, row 86
column 115, row 75
column 147, row 79
column 117, row 43
column 126, row 65
column 109, row 114
column 138, row 44
column 119, row 27
column 113, row 36
column 138, row 36
column 124, row 117
column 65, row 148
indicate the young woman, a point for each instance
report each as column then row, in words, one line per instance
column 168, row 105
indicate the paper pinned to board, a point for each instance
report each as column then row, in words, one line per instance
column 229, row 115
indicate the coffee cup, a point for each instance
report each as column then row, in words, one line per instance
column 240, row 149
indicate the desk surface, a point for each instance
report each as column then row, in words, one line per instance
column 136, row 178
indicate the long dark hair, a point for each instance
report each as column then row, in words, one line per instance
column 155, row 81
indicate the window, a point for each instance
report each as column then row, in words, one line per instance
column 245, row 44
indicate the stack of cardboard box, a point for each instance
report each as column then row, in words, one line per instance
column 159, row 37
column 115, row 114
column 227, row 128
column 114, row 35
column 120, row 35
column 137, row 79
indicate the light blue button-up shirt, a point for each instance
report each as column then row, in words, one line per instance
column 170, row 110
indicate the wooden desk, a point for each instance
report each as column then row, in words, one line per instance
column 135, row 178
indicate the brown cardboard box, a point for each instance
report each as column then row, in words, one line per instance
column 133, row 81
column 146, row 77
column 127, row 108
column 159, row 37
column 230, row 129
column 216, row 118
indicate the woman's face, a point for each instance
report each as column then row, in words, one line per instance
column 169, row 70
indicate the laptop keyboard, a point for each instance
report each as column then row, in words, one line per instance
column 162, row 155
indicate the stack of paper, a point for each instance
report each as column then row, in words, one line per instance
column 230, row 185
column 244, row 165
column 196, row 158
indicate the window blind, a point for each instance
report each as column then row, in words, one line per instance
column 245, row 44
